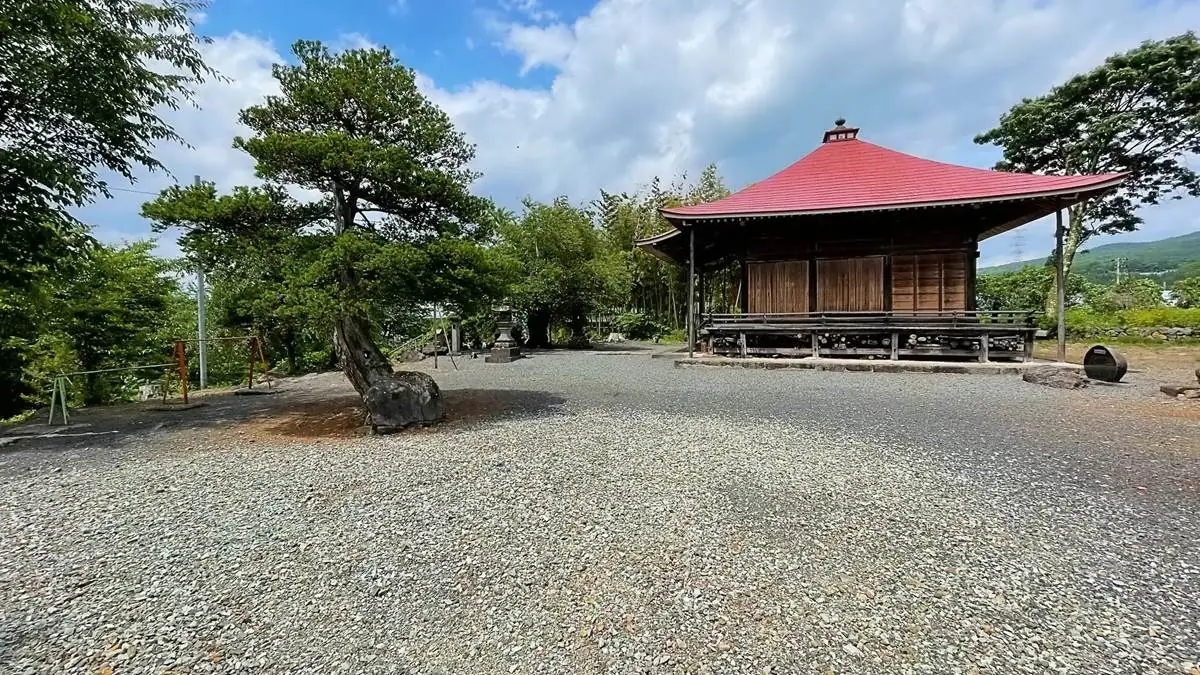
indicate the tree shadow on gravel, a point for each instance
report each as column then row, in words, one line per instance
column 282, row 416
column 345, row 416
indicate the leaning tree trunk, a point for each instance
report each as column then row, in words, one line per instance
column 393, row 400
column 360, row 359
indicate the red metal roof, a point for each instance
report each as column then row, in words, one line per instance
column 847, row 174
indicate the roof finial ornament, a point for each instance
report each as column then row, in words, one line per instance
column 840, row 132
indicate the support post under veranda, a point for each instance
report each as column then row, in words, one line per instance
column 1060, row 286
column 691, row 292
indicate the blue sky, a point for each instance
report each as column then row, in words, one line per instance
column 570, row 97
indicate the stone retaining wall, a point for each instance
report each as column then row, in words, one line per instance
column 1161, row 333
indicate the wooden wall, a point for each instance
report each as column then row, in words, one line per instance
column 929, row 282
column 907, row 282
column 777, row 287
column 850, row 284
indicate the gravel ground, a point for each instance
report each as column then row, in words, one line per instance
column 610, row 513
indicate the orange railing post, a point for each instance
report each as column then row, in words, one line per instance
column 262, row 357
column 181, row 358
column 250, row 378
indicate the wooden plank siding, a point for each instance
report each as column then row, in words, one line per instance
column 850, row 284
column 929, row 282
column 777, row 287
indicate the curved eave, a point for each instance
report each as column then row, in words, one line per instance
column 1066, row 196
column 654, row 244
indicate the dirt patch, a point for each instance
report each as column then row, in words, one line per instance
column 339, row 417
column 1166, row 362
column 1183, row 410
column 343, row 416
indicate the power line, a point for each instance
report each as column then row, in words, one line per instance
column 136, row 192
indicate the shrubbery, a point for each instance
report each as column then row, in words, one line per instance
column 1135, row 302
column 638, row 326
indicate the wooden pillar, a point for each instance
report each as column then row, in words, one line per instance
column 972, row 256
column 691, row 292
column 1061, row 303
column 887, row 282
column 744, row 289
column 701, row 299
column 812, row 288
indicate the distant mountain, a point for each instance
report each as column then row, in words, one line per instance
column 1165, row 259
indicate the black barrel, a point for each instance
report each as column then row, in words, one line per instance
column 1104, row 364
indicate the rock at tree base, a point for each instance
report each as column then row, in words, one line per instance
column 1055, row 376
column 1178, row 389
column 403, row 399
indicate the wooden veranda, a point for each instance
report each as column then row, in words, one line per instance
column 858, row 250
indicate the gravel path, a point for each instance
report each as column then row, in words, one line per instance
column 612, row 514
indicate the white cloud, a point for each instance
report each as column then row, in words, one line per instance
column 639, row 89
column 355, row 40
column 244, row 63
column 658, row 88
column 539, row 45
column 529, row 9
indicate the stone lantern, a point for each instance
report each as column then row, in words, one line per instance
column 505, row 350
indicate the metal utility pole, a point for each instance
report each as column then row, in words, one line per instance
column 200, row 331
column 1061, row 304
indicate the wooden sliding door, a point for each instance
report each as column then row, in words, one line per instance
column 929, row 282
column 850, row 284
column 777, row 287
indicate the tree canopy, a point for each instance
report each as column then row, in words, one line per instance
column 395, row 226
column 1137, row 113
column 83, row 86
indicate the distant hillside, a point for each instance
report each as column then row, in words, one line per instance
column 1167, row 259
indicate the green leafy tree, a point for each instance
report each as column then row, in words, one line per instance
column 1129, row 293
column 1186, row 292
column 253, row 247
column 114, row 312
column 1138, row 112
column 83, row 85
column 396, row 227
column 114, row 307
column 566, row 271
column 33, row 260
column 653, row 286
column 1026, row 288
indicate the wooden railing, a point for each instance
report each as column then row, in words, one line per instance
column 876, row 320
